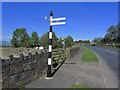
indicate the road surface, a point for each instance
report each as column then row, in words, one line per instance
column 109, row 64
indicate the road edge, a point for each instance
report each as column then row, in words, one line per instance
column 99, row 61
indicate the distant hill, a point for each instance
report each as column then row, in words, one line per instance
column 5, row 43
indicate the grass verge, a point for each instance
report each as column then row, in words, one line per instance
column 89, row 55
column 79, row 87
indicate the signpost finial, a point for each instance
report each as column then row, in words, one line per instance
column 51, row 13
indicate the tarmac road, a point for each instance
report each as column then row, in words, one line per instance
column 109, row 64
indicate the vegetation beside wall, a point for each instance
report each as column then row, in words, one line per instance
column 21, row 38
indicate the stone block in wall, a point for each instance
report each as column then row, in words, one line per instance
column 38, row 56
column 43, row 66
column 21, row 84
column 31, row 78
column 29, row 55
column 38, row 69
column 26, row 81
column 19, row 69
column 13, row 85
column 27, row 66
column 14, row 60
column 21, row 76
column 5, row 62
column 33, row 66
column 32, row 58
column 41, row 62
column 13, row 69
column 27, row 74
column 13, row 79
column 34, row 76
column 5, row 71
column 26, row 58
column 21, row 63
column 33, row 72
column 37, row 76
column 5, row 82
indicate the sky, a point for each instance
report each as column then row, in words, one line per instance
column 85, row 20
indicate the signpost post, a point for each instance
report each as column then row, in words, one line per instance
column 49, row 71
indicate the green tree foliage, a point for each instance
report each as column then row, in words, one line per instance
column 55, row 39
column 86, row 41
column 34, row 39
column 68, row 41
column 20, row 38
column 80, row 41
column 59, row 43
column 44, row 40
column 30, row 43
column 111, row 36
column 118, row 27
column 97, row 40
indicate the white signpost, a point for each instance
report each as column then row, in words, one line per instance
column 57, row 21
column 53, row 22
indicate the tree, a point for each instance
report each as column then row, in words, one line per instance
column 112, row 36
column 44, row 40
column 20, row 38
column 34, row 39
column 30, row 43
column 59, row 43
column 118, row 38
column 102, row 41
column 80, row 41
column 68, row 41
column 55, row 39
column 97, row 40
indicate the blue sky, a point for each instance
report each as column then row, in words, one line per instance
column 84, row 20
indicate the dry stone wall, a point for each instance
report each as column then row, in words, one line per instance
column 71, row 52
column 20, row 66
column 74, row 51
column 17, row 71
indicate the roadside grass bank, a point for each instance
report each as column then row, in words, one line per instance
column 89, row 55
column 77, row 87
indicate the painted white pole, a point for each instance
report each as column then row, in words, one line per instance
column 49, row 74
column 50, row 48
